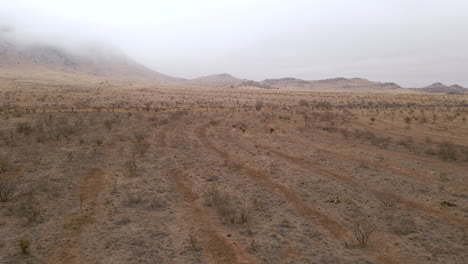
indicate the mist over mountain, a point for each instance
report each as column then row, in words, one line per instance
column 19, row 59
column 388, row 41
column 28, row 57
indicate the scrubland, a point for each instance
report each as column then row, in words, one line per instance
column 144, row 174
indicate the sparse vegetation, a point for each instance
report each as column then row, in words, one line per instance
column 207, row 170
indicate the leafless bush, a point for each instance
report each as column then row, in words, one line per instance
column 4, row 165
column 24, row 245
column 362, row 232
column 222, row 202
column 131, row 166
column 193, row 243
column 403, row 227
column 259, row 105
column 133, row 199
column 245, row 215
column 304, row 103
column 142, row 147
column 447, row 151
column 123, row 221
column 387, row 200
column 32, row 213
column 108, row 124
column 24, row 128
column 157, row 204
column 139, row 137
column 327, row 116
column 224, row 205
column 6, row 190
column 99, row 141
column 363, row 164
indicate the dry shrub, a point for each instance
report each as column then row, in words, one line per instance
column 224, row 205
column 6, row 190
column 362, row 232
column 142, row 147
column 387, row 200
column 4, row 165
column 133, row 199
column 24, row 128
column 32, row 213
column 131, row 166
column 222, row 202
column 447, row 151
column 403, row 227
column 24, row 245
column 259, row 105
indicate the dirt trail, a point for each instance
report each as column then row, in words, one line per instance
column 81, row 221
column 336, row 229
column 216, row 247
column 428, row 210
column 413, row 175
column 260, row 177
column 421, row 135
column 400, row 128
column 428, row 160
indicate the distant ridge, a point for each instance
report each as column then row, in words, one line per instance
column 221, row 80
column 442, row 88
column 338, row 84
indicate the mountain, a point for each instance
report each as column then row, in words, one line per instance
column 442, row 88
column 254, row 84
column 335, row 85
column 42, row 61
column 215, row 80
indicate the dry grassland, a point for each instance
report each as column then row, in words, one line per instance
column 143, row 174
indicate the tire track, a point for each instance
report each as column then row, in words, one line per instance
column 423, row 178
column 80, row 222
column 325, row 171
column 217, row 248
column 336, row 229
column 383, row 131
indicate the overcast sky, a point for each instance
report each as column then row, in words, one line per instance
column 410, row 42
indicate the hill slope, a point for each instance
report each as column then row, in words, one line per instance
column 218, row 80
column 442, row 88
column 334, row 85
column 40, row 61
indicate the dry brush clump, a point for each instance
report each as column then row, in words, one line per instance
column 4, row 165
column 447, row 151
column 131, row 167
column 226, row 207
column 6, row 190
column 362, row 232
column 24, row 245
